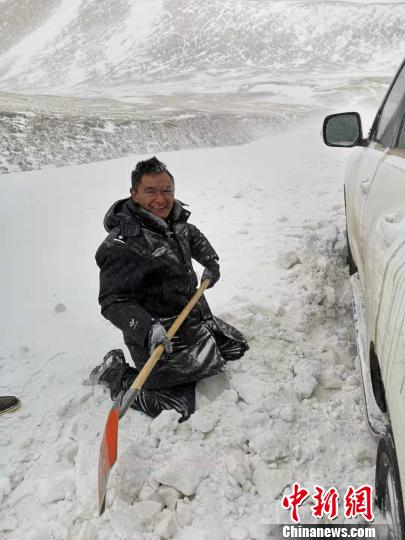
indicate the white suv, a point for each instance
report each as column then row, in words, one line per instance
column 375, row 217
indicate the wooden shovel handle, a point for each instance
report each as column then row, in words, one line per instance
column 157, row 353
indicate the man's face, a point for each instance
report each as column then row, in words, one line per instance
column 155, row 193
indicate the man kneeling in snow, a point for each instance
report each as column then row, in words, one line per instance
column 146, row 278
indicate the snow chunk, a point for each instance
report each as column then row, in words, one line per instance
column 147, row 493
column 124, row 520
column 165, row 424
column 167, row 526
column 188, row 466
column 184, row 513
column 270, row 483
column 203, row 420
column 135, row 517
column 56, row 488
column 145, row 510
column 169, row 496
column 85, row 479
column 277, row 304
column 238, row 467
column 132, row 471
column 304, row 385
column 288, row 259
column 249, row 388
column 49, row 490
column 212, row 388
column 330, row 380
column 272, row 444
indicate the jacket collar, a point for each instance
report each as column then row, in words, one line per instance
column 125, row 209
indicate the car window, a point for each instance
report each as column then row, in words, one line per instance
column 391, row 112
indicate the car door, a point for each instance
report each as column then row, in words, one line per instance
column 384, row 201
column 361, row 170
column 385, row 273
column 383, row 248
column 363, row 167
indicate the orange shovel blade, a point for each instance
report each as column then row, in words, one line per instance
column 108, row 452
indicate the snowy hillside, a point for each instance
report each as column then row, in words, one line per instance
column 128, row 48
column 290, row 410
column 187, row 74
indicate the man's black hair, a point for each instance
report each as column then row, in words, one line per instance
column 149, row 166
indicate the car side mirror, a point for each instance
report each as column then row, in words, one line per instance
column 343, row 129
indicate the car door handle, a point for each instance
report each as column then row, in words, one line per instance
column 365, row 185
column 389, row 227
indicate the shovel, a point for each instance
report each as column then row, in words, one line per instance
column 109, row 443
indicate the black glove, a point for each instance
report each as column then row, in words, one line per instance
column 157, row 335
column 211, row 272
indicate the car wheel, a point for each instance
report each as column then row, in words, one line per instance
column 388, row 488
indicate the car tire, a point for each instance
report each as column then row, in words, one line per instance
column 388, row 487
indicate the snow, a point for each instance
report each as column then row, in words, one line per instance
column 19, row 57
column 185, row 76
column 290, row 410
column 188, row 465
column 143, row 47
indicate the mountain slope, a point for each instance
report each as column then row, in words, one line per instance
column 89, row 47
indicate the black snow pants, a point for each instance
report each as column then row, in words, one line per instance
column 180, row 397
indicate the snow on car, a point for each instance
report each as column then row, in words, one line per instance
column 375, row 219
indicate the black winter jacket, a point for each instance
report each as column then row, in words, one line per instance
column 146, row 274
column 146, row 271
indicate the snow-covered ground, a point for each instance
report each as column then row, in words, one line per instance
column 41, row 131
column 290, row 410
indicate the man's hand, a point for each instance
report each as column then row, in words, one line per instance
column 157, row 335
column 211, row 272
